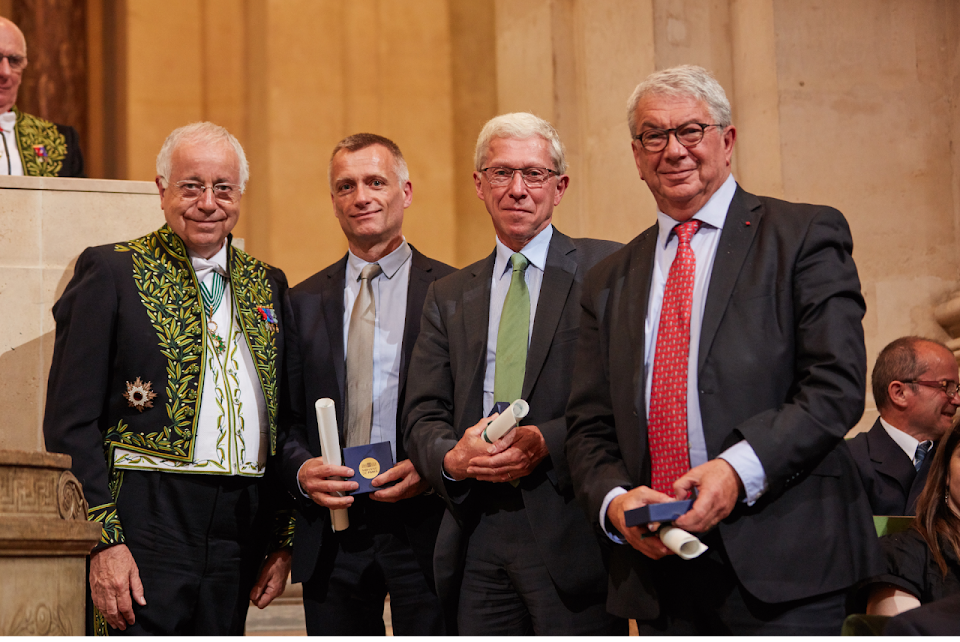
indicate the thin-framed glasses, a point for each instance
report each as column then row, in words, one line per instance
column 532, row 176
column 17, row 62
column 950, row 388
column 688, row 135
column 223, row 192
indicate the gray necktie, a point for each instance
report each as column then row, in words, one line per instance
column 360, row 361
column 922, row 449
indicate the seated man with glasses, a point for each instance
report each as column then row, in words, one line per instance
column 164, row 390
column 915, row 388
column 29, row 146
column 515, row 554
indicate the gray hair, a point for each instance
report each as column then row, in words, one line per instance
column 521, row 126
column 685, row 80
column 356, row 142
column 201, row 132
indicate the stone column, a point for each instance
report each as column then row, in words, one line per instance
column 44, row 540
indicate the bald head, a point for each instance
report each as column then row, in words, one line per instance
column 12, row 45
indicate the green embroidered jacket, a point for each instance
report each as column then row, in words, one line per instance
column 132, row 310
column 46, row 148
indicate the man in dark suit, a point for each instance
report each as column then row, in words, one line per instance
column 30, row 146
column 721, row 351
column 164, row 389
column 388, row 546
column 915, row 387
column 515, row 555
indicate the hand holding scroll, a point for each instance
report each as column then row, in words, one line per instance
column 322, row 483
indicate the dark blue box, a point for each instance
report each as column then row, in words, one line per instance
column 367, row 462
column 666, row 512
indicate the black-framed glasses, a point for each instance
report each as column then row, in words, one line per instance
column 223, row 192
column 532, row 176
column 688, row 135
column 17, row 62
column 949, row 387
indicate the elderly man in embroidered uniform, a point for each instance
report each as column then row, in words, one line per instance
column 30, row 146
column 163, row 389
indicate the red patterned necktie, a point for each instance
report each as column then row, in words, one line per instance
column 667, row 426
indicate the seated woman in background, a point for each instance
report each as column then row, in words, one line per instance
column 923, row 562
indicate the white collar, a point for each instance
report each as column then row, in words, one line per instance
column 389, row 264
column 216, row 263
column 8, row 121
column 535, row 251
column 907, row 443
column 713, row 213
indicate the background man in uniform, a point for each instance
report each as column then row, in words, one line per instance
column 721, row 351
column 915, row 388
column 351, row 330
column 513, row 548
column 29, row 146
column 164, row 390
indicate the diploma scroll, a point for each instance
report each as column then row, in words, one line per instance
column 681, row 542
column 330, row 444
column 507, row 421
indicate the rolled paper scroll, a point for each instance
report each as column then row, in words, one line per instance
column 681, row 542
column 330, row 444
column 507, row 421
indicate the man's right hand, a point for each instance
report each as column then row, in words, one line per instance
column 113, row 577
column 643, row 537
column 318, row 480
column 472, row 444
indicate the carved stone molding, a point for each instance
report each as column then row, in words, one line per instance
column 44, row 540
column 947, row 315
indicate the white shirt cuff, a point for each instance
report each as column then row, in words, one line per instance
column 747, row 465
column 614, row 492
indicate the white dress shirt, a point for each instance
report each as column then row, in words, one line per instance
column 232, row 426
column 908, row 443
column 704, row 243
column 390, row 298
column 535, row 252
column 10, row 163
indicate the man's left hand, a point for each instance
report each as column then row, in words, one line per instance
column 409, row 485
column 511, row 457
column 718, row 487
column 273, row 578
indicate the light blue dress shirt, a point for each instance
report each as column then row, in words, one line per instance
column 390, row 298
column 536, row 253
column 704, row 243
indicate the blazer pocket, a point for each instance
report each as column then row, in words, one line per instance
column 570, row 334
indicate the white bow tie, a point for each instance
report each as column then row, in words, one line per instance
column 7, row 121
column 204, row 267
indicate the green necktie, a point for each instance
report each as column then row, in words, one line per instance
column 512, row 336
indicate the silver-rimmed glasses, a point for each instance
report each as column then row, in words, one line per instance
column 223, row 192
column 532, row 176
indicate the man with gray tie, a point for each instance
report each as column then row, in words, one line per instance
column 352, row 328
column 515, row 554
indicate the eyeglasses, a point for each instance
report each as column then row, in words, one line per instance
column 532, row 176
column 688, row 135
column 949, row 387
column 223, row 192
column 17, row 62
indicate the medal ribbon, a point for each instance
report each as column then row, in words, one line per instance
column 214, row 296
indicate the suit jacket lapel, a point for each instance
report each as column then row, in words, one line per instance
column 332, row 292
column 476, row 318
column 558, row 275
column 419, row 282
column 890, row 459
column 637, row 297
column 735, row 241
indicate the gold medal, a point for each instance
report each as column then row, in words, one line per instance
column 369, row 468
